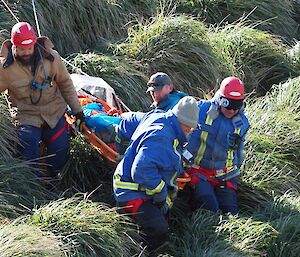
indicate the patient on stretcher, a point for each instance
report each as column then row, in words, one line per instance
column 99, row 122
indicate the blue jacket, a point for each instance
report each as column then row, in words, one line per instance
column 219, row 141
column 152, row 161
column 170, row 101
column 126, row 128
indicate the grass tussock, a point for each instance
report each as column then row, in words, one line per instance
column 91, row 229
column 83, row 24
column 208, row 234
column 258, row 57
column 280, row 19
column 179, row 46
column 20, row 190
column 86, row 171
column 8, row 132
column 28, row 240
column 294, row 54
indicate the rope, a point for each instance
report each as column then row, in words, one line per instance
column 36, row 18
column 11, row 12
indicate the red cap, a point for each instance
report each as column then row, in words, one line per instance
column 23, row 35
column 232, row 88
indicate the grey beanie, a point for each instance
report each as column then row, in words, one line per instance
column 187, row 111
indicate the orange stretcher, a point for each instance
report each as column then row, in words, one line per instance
column 100, row 146
column 93, row 89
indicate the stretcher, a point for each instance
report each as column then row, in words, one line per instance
column 93, row 89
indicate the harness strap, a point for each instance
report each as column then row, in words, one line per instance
column 133, row 206
column 212, row 176
column 57, row 134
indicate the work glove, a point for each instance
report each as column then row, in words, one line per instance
column 166, row 204
column 233, row 140
column 172, row 193
column 80, row 120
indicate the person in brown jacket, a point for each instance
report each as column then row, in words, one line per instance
column 40, row 88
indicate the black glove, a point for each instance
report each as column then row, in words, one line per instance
column 80, row 120
column 165, row 205
column 233, row 140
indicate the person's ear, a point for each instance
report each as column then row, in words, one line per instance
column 170, row 88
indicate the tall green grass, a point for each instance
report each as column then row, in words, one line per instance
column 82, row 24
column 260, row 58
column 20, row 190
column 86, row 171
column 179, row 46
column 28, row 240
column 276, row 16
column 207, row 234
column 294, row 54
column 90, row 229
column 8, row 132
column 271, row 165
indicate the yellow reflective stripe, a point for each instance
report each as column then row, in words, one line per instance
column 118, row 139
column 173, row 179
column 156, row 189
column 237, row 130
column 135, row 186
column 200, row 153
column 208, row 120
column 169, row 201
column 175, row 144
column 124, row 185
column 229, row 160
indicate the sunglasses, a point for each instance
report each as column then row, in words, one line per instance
column 232, row 108
column 231, row 104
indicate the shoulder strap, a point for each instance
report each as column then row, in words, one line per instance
column 212, row 113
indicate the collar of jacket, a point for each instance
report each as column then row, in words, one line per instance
column 43, row 43
column 176, row 126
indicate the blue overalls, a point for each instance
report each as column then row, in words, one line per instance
column 56, row 141
column 145, row 178
column 216, row 147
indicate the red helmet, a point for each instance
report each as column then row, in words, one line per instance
column 232, row 88
column 23, row 35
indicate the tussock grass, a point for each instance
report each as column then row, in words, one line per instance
column 279, row 19
column 90, row 229
column 179, row 46
column 259, row 58
column 209, row 234
column 124, row 75
column 20, row 190
column 294, row 54
column 274, row 123
column 296, row 13
column 86, row 171
column 28, row 240
column 83, row 24
column 287, row 242
column 251, row 237
column 280, row 206
column 271, row 165
column 8, row 132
